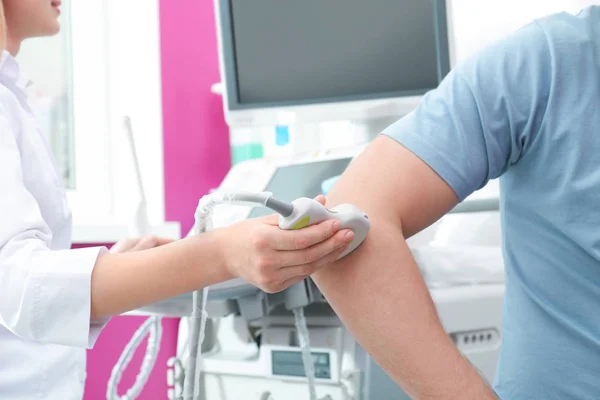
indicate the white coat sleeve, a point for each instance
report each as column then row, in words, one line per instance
column 45, row 295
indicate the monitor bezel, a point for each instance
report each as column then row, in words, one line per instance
column 356, row 107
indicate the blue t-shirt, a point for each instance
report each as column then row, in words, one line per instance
column 527, row 110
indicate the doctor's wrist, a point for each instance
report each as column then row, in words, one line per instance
column 220, row 242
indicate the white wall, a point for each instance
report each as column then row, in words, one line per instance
column 480, row 22
column 136, row 91
column 116, row 64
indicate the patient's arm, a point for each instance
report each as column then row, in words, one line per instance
column 378, row 291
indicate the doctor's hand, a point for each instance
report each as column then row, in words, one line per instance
column 274, row 259
column 140, row 243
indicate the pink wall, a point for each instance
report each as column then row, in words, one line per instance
column 196, row 154
column 108, row 349
column 196, row 140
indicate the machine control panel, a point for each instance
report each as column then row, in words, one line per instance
column 289, row 363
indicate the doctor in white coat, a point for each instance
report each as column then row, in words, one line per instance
column 55, row 301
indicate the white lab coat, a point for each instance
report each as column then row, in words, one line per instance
column 44, row 287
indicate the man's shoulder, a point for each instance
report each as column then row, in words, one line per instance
column 565, row 30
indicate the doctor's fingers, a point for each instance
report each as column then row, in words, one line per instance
column 124, row 245
column 316, row 256
column 150, row 242
column 291, row 282
column 139, row 243
column 321, row 199
column 291, row 275
column 270, row 272
column 302, row 239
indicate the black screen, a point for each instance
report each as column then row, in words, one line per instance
column 306, row 51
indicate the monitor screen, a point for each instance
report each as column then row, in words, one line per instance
column 300, row 180
column 290, row 52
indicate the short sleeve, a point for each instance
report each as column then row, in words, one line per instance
column 485, row 114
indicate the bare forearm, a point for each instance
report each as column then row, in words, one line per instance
column 378, row 290
column 380, row 295
column 124, row 282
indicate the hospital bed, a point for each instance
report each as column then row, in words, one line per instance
column 251, row 350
